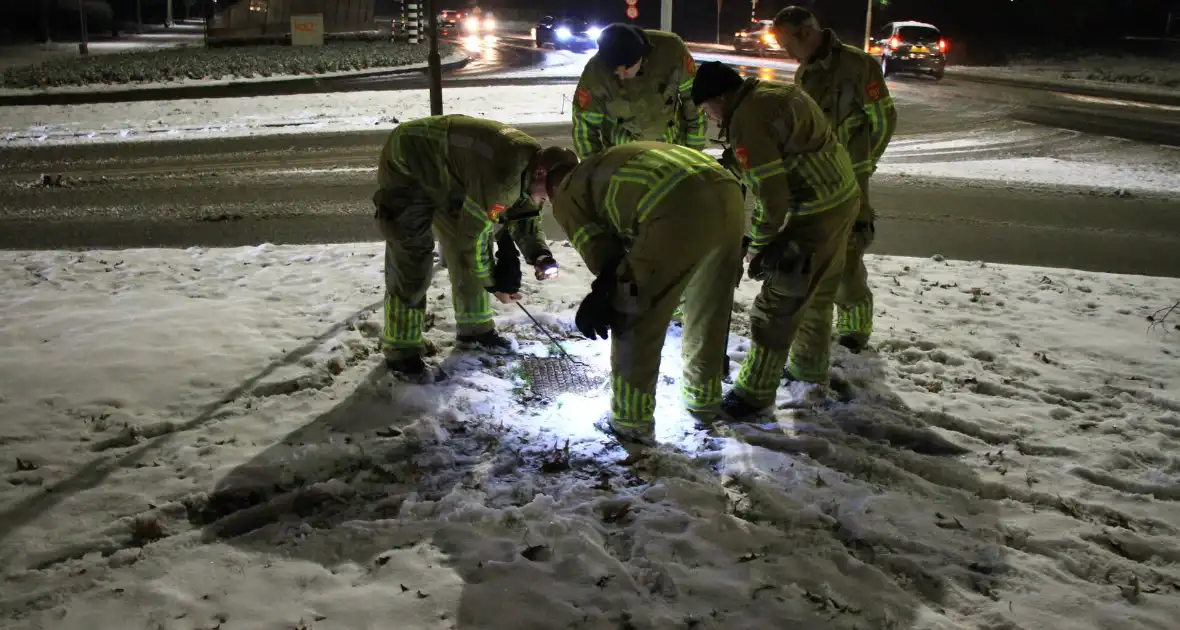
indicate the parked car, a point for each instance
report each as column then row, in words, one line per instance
column 566, row 33
column 757, row 38
column 910, row 47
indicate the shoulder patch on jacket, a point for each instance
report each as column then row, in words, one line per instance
column 743, row 157
column 582, row 97
column 873, row 90
column 495, row 210
column 690, row 65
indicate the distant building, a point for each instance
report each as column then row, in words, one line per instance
column 245, row 18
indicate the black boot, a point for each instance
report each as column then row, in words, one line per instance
column 491, row 342
column 412, row 367
column 854, row 343
column 736, row 408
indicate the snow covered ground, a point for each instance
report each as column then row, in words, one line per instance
column 205, row 438
column 1152, row 72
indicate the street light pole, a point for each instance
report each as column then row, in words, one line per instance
column 718, row 38
column 84, row 45
column 433, row 62
column 868, row 24
column 168, row 17
column 666, row 16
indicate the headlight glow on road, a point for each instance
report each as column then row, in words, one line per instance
column 593, row 32
column 564, row 33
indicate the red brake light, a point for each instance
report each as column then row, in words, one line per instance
column 942, row 45
column 894, row 42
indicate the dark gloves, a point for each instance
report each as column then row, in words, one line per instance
column 746, row 240
column 506, row 275
column 597, row 311
column 765, row 262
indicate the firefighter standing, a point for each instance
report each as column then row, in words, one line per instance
column 455, row 177
column 636, row 87
column 807, row 203
column 654, row 222
column 849, row 86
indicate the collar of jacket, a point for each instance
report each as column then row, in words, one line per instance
column 742, row 93
column 829, row 45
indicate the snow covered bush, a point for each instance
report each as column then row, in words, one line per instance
column 175, row 64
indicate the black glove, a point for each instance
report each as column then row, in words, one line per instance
column 765, row 262
column 506, row 275
column 542, row 263
column 597, row 311
column 746, row 240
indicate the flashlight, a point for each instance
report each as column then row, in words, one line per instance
column 548, row 271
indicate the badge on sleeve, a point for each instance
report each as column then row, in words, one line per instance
column 743, row 157
column 690, row 65
column 495, row 210
column 873, row 90
column 582, row 97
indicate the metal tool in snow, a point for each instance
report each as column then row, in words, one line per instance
column 548, row 376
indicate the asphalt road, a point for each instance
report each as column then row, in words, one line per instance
column 952, row 104
column 316, row 188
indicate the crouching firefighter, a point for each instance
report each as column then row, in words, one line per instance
column 455, row 177
column 807, row 202
column 847, row 83
column 654, row 222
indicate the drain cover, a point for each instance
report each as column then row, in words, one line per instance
column 549, row 376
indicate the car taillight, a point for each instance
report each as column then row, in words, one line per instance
column 894, row 42
column 942, row 45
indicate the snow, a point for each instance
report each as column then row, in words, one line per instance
column 1133, row 72
column 151, row 85
column 205, row 437
column 1046, row 171
column 251, row 116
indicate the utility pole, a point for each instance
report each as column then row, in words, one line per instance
column 168, row 17
column 718, row 38
column 666, row 16
column 84, row 45
column 868, row 24
column 434, row 62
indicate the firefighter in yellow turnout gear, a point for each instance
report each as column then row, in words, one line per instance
column 847, row 83
column 457, row 178
column 636, row 87
column 654, row 222
column 807, row 203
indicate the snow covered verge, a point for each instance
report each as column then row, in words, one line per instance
column 1130, row 70
column 251, row 116
column 192, row 437
column 190, row 65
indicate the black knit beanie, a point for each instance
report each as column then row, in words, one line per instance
column 714, row 79
column 622, row 45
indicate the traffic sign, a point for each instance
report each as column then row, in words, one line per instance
column 632, row 3
column 632, row 12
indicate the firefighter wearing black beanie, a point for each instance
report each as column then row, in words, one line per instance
column 637, row 87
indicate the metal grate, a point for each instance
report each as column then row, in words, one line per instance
column 549, row 376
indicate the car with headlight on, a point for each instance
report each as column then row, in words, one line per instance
column 910, row 47
column 476, row 22
column 757, row 38
column 566, row 33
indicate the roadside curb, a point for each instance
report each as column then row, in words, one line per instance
column 1098, row 91
column 207, row 91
